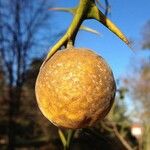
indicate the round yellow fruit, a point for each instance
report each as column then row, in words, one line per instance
column 75, row 88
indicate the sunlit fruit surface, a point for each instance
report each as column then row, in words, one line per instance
column 75, row 88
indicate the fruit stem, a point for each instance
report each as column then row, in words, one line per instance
column 69, row 44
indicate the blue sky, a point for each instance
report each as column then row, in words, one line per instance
column 129, row 16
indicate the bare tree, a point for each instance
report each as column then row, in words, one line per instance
column 22, row 23
column 138, row 84
column 139, row 87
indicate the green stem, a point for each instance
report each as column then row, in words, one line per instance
column 69, row 138
column 86, row 9
column 62, row 137
column 66, row 141
column 80, row 15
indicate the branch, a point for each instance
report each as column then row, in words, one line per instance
column 86, row 9
column 106, row 7
column 70, row 35
column 120, row 137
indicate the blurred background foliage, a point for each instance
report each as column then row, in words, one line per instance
column 22, row 126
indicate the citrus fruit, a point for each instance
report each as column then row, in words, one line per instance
column 75, row 88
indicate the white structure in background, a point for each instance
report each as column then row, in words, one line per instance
column 136, row 130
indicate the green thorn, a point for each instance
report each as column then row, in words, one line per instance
column 73, row 11
column 95, row 13
column 70, row 10
column 89, row 29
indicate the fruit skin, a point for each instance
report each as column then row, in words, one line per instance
column 75, row 88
